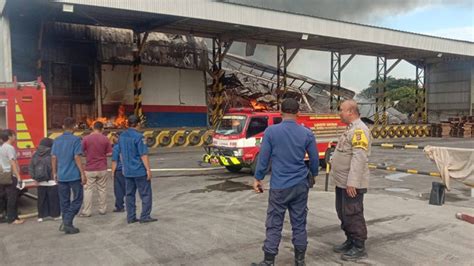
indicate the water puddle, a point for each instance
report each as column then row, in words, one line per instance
column 226, row 186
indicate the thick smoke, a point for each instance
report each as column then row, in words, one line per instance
column 316, row 64
column 362, row 11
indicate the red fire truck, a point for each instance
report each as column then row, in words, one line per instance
column 236, row 140
column 23, row 109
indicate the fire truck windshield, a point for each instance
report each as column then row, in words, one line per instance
column 231, row 125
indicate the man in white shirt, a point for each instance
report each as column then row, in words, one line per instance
column 9, row 164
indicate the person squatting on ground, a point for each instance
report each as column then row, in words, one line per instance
column 40, row 170
column 68, row 172
column 117, row 175
column 350, row 172
column 9, row 190
column 136, row 169
column 96, row 147
column 286, row 145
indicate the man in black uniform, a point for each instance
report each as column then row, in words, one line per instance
column 286, row 146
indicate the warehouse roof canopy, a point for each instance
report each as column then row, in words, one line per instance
column 210, row 18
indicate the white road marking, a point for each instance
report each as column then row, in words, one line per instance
column 396, row 177
column 182, row 169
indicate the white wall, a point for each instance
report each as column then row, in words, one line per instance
column 161, row 86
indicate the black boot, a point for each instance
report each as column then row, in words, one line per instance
column 357, row 252
column 70, row 230
column 268, row 260
column 344, row 247
column 299, row 257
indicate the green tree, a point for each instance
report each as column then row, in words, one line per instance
column 400, row 93
column 391, row 84
column 402, row 99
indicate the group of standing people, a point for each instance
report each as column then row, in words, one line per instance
column 131, row 170
column 286, row 145
column 65, row 184
column 58, row 168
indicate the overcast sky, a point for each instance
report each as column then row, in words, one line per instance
column 445, row 18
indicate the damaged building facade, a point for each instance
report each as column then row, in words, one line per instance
column 88, row 72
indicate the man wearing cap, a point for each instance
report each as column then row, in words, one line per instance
column 136, row 169
column 350, row 173
column 285, row 145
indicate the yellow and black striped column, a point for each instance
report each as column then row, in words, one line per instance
column 137, row 88
column 380, row 92
column 137, row 76
column 383, row 74
column 420, row 96
column 424, row 112
column 217, row 88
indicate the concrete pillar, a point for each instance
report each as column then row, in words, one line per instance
column 5, row 50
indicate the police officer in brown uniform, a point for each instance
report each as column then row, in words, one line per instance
column 350, row 173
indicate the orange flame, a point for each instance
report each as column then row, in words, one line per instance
column 120, row 121
column 91, row 121
column 258, row 106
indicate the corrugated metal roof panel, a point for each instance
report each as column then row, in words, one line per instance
column 216, row 13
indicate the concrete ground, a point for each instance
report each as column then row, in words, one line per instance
column 213, row 218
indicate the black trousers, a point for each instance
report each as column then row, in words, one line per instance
column 351, row 214
column 295, row 200
column 8, row 199
column 48, row 201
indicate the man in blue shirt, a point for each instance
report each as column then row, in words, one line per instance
column 117, row 175
column 68, row 172
column 285, row 145
column 136, row 169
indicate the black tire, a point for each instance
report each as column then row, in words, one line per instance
column 391, row 132
column 194, row 139
column 150, row 141
column 234, row 168
column 375, row 133
column 181, row 140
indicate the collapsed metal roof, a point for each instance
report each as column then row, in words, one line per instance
column 249, row 83
column 267, row 74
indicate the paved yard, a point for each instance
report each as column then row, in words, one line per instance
column 214, row 218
